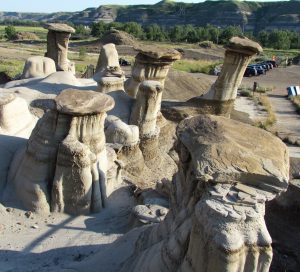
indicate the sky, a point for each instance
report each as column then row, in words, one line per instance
column 71, row 5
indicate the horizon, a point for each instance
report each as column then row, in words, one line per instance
column 37, row 6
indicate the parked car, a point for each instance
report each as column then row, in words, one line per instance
column 273, row 62
column 250, row 71
column 124, row 62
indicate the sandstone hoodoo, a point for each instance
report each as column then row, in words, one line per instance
column 151, row 63
column 109, row 74
column 68, row 154
column 57, row 46
column 220, row 97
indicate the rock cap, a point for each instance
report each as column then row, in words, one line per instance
column 59, row 27
column 157, row 52
column 231, row 151
column 78, row 103
column 244, row 45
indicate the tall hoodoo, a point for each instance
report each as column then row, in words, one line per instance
column 57, row 46
column 64, row 166
column 109, row 74
column 151, row 63
column 144, row 115
column 216, row 221
column 237, row 56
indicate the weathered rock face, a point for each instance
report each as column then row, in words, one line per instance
column 15, row 118
column 38, row 66
column 64, row 166
column 57, row 46
column 109, row 74
column 151, row 63
column 216, row 220
column 144, row 115
column 217, row 204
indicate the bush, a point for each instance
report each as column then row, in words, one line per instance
column 206, row 44
column 10, row 33
column 82, row 53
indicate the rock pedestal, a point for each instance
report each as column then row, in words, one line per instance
column 144, row 115
column 237, row 56
column 109, row 74
column 63, row 168
column 57, row 46
column 151, row 63
column 216, row 219
column 219, row 100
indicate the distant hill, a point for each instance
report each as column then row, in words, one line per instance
column 249, row 15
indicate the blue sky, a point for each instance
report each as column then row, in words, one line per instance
column 70, row 5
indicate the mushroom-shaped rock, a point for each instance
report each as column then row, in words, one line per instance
column 68, row 154
column 38, row 66
column 60, row 28
column 151, row 63
column 237, row 56
column 144, row 115
column 78, row 103
column 57, row 46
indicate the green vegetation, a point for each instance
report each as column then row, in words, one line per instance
column 270, row 120
column 39, row 31
column 11, row 67
column 10, row 33
column 82, row 53
column 276, row 39
column 296, row 102
column 195, row 66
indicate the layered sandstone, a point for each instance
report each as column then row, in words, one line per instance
column 151, row 63
column 57, row 46
column 217, row 204
column 68, row 154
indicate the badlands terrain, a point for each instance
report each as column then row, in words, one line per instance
column 227, row 171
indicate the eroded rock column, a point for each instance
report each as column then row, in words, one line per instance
column 64, row 166
column 151, row 63
column 237, row 56
column 57, row 46
column 216, row 219
column 109, row 74
column 144, row 115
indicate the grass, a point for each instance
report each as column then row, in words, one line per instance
column 195, row 66
column 270, row 120
column 296, row 102
column 39, row 31
column 11, row 67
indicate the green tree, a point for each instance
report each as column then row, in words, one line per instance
column 134, row 29
column 10, row 32
column 279, row 39
column 263, row 38
column 228, row 33
column 99, row 29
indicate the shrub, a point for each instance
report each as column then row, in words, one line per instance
column 82, row 53
column 10, row 33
